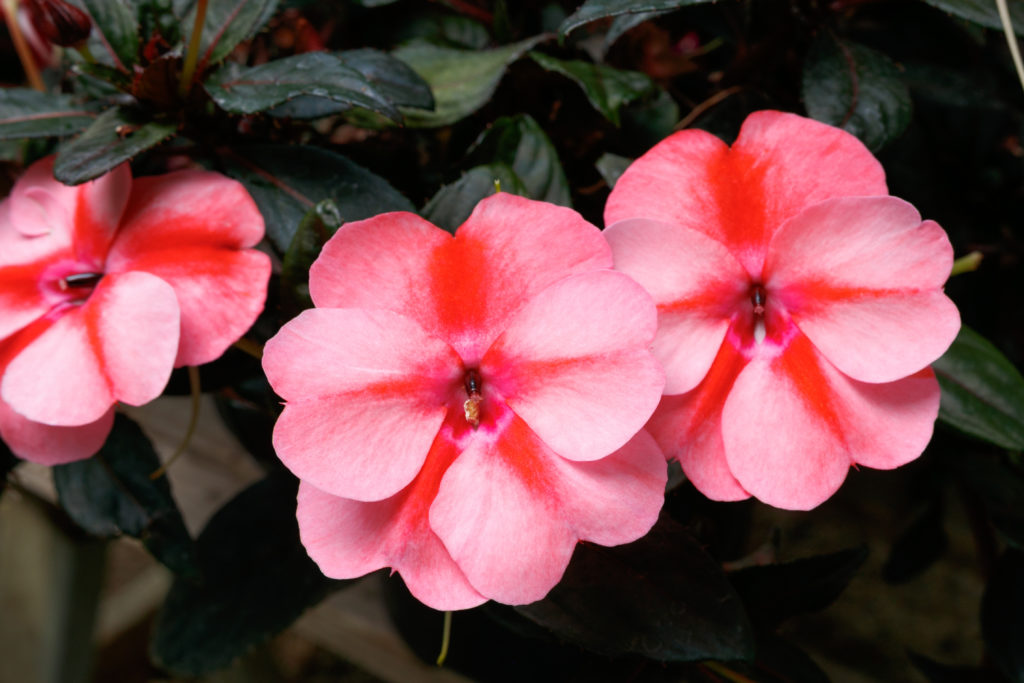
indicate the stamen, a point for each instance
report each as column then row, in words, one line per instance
column 79, row 281
column 472, row 404
column 757, row 298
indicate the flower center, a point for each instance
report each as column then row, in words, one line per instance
column 758, row 300
column 79, row 285
column 471, row 406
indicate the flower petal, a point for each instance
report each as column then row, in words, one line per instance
column 688, row 428
column 574, row 364
column 117, row 346
column 862, row 278
column 461, row 290
column 21, row 297
column 793, row 425
column 779, row 164
column 48, row 445
column 221, row 292
column 98, row 211
column 696, row 284
column 367, row 392
column 348, row 539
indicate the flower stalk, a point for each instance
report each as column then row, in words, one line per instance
column 192, row 54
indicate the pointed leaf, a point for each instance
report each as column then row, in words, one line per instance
column 462, row 80
column 287, row 181
column 453, row 203
column 249, row 90
column 519, row 142
column 112, row 493
column 1002, row 614
column 661, row 597
column 115, row 20
column 982, row 392
column 113, row 138
column 227, row 23
column 256, row 580
column 26, row 113
column 776, row 592
column 607, row 88
column 316, row 228
column 983, row 12
column 857, row 89
column 611, row 166
column 592, row 10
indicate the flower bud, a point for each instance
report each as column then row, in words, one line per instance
column 59, row 22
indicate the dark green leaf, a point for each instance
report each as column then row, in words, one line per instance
column 857, row 89
column 314, row 230
column 1002, row 614
column 26, row 113
column 288, row 181
column 776, row 592
column 625, row 22
column 649, row 120
column 228, row 22
column 256, row 580
column 922, row 543
column 982, row 392
column 112, row 493
column 519, row 142
column 115, row 20
column 113, row 138
column 248, row 90
column 592, row 10
column 453, row 203
column 462, row 80
column 392, row 78
column 661, row 597
column 611, row 166
column 608, row 89
column 983, row 12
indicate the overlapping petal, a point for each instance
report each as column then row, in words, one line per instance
column 574, row 364
column 862, row 278
column 117, row 346
column 50, row 445
column 367, row 391
column 460, row 289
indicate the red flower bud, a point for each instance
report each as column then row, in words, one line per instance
column 59, row 22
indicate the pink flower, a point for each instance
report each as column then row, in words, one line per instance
column 107, row 286
column 466, row 409
column 799, row 307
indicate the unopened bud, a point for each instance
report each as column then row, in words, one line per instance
column 59, row 22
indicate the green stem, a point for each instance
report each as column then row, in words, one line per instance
column 192, row 55
column 446, row 638
column 193, row 419
column 1011, row 39
column 966, row 264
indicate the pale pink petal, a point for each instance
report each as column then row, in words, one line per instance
column 779, row 164
column 367, row 391
column 41, row 205
column 348, row 539
column 498, row 513
column 862, row 278
column 696, row 284
column 793, row 425
column 184, row 209
column 98, row 211
column 574, row 364
column 221, row 292
column 48, row 445
column 461, row 290
column 117, row 346
column 688, row 428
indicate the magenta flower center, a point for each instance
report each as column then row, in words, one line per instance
column 473, row 384
column 76, row 287
column 757, row 299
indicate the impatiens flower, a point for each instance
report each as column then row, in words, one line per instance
column 799, row 307
column 465, row 409
column 106, row 287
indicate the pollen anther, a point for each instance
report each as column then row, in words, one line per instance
column 471, row 406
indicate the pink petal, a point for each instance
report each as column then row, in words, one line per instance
column 793, row 425
column 779, row 164
column 181, row 210
column 117, row 346
column 48, row 445
column 510, row 511
column 688, row 428
column 696, row 284
column 221, row 292
column 40, row 205
column 862, row 278
column 348, row 539
column 98, row 211
column 574, row 364
column 461, row 290
column 367, row 391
